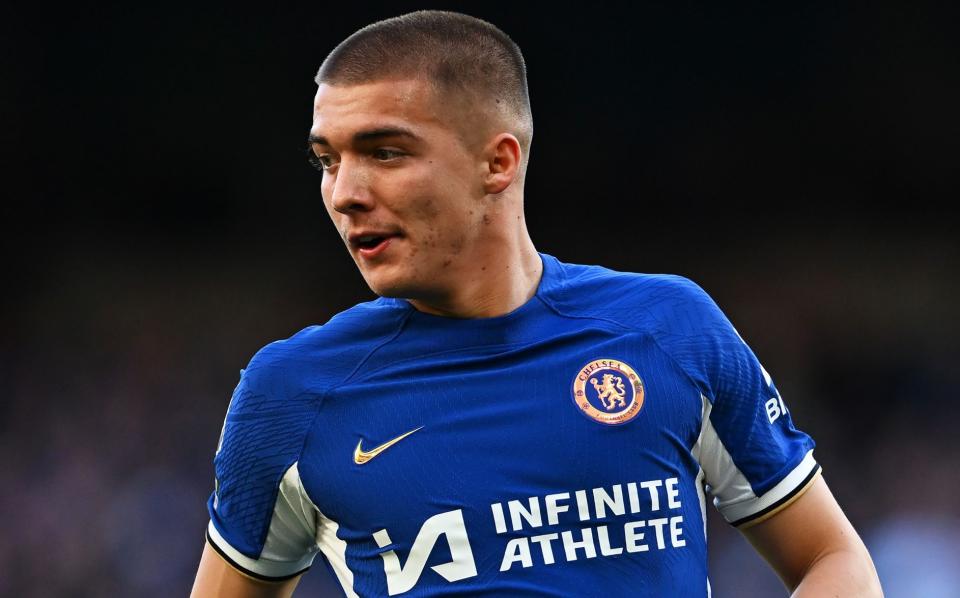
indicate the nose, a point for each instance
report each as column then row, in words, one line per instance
column 351, row 188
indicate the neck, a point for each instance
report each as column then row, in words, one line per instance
column 493, row 282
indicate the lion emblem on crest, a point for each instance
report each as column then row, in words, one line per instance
column 611, row 391
column 617, row 396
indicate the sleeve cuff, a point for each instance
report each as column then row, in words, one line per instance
column 261, row 569
column 752, row 511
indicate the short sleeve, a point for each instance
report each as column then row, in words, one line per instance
column 755, row 462
column 261, row 520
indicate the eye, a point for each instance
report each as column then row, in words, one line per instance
column 384, row 154
column 322, row 162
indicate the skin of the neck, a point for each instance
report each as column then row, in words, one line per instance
column 501, row 273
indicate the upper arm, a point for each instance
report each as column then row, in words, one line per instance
column 809, row 532
column 217, row 579
column 262, row 523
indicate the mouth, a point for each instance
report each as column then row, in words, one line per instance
column 370, row 245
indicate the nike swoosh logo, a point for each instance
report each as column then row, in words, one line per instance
column 361, row 456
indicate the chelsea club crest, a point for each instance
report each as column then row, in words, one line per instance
column 608, row 391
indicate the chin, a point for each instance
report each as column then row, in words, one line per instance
column 392, row 287
column 400, row 288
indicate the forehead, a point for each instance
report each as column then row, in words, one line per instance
column 343, row 110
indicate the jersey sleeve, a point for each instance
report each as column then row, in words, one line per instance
column 755, row 462
column 261, row 520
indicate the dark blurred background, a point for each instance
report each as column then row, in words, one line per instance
column 160, row 224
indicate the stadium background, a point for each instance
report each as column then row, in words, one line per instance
column 161, row 224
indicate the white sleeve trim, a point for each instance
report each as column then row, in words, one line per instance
column 291, row 543
column 778, row 496
column 733, row 495
column 258, row 568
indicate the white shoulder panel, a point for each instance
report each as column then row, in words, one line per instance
column 332, row 547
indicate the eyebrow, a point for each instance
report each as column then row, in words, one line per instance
column 370, row 135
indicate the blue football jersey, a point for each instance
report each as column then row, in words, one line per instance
column 564, row 449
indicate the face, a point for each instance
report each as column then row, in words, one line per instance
column 400, row 183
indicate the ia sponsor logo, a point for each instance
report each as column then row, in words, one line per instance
column 402, row 578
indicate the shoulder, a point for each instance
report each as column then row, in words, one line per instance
column 273, row 408
column 650, row 301
column 282, row 384
column 322, row 355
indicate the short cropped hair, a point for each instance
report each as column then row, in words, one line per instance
column 457, row 53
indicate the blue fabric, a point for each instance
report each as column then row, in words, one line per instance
column 497, row 402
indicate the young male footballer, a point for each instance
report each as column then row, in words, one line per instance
column 497, row 422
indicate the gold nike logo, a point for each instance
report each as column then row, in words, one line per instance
column 361, row 456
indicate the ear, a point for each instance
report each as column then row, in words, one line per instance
column 503, row 163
